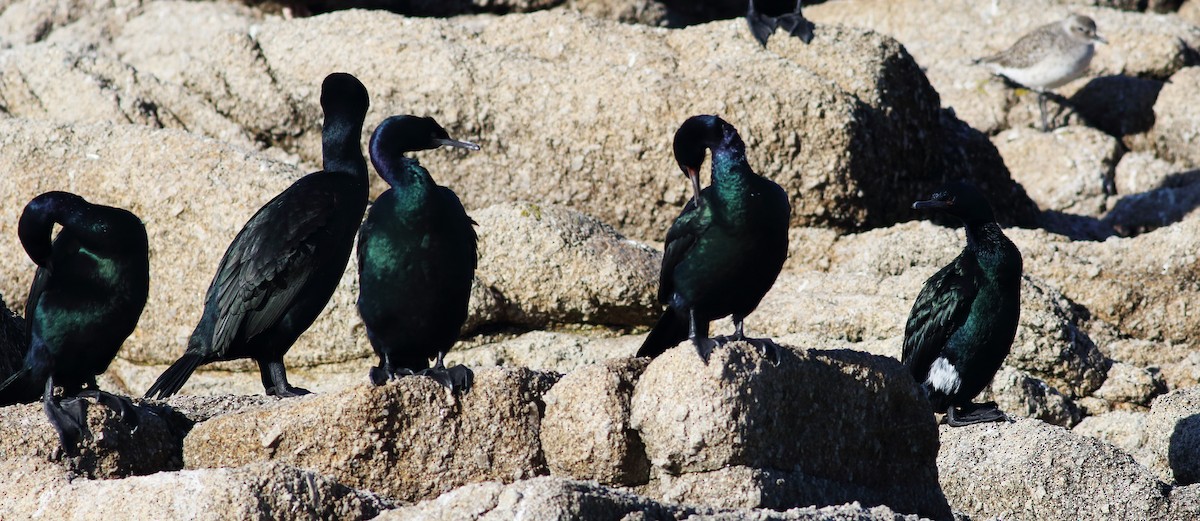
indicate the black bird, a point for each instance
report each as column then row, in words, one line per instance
column 963, row 323
column 86, row 298
column 725, row 249
column 284, row 265
column 771, row 14
column 416, row 258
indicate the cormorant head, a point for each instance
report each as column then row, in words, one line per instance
column 695, row 136
column 1082, row 28
column 37, row 223
column 961, row 200
column 400, row 134
column 343, row 94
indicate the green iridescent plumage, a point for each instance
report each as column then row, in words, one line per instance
column 416, row 257
column 964, row 320
column 724, row 251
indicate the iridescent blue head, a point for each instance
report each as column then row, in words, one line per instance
column 102, row 228
column 400, row 134
column 695, row 137
column 962, row 200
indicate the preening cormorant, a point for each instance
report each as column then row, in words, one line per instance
column 86, row 298
column 725, row 249
column 284, row 265
column 416, row 258
column 764, row 16
column 963, row 323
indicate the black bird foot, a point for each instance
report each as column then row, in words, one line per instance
column 69, row 419
column 287, row 391
column 974, row 413
column 459, row 377
column 766, row 346
column 380, row 376
column 124, row 406
column 705, row 347
column 797, row 26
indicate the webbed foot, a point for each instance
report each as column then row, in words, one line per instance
column 457, row 378
column 69, row 419
column 705, row 347
column 380, row 375
column 124, row 406
column 287, row 391
column 797, row 26
column 766, row 346
column 974, row 413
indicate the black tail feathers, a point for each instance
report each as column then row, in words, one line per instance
column 671, row 329
column 175, row 376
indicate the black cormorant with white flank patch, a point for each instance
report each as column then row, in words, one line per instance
column 963, row 322
column 724, row 251
column 86, row 298
column 416, row 258
column 282, row 268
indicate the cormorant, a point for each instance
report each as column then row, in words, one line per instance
column 963, row 323
column 85, row 300
column 725, row 249
column 284, row 265
column 772, row 14
column 416, row 258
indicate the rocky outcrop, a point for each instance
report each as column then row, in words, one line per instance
column 407, row 440
column 1173, row 436
column 817, row 418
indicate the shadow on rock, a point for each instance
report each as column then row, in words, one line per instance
column 1184, row 451
column 1118, row 105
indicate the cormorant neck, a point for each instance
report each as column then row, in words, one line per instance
column 729, row 157
column 396, row 169
column 340, row 148
column 984, row 234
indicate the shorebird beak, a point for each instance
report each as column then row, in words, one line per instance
column 456, row 144
column 933, row 204
column 1100, row 39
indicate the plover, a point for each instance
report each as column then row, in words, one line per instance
column 1048, row 57
column 772, row 14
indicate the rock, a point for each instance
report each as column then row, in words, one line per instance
column 837, row 417
column 1129, row 387
column 1144, row 46
column 407, row 440
column 1175, row 133
column 1051, row 343
column 1030, row 470
column 1173, row 436
column 586, row 432
column 1190, row 11
column 38, row 490
column 560, row 352
column 114, row 450
column 548, row 264
column 1019, row 394
column 1139, row 172
column 647, row 12
column 558, row 498
column 1125, row 430
column 566, row 146
column 1067, row 170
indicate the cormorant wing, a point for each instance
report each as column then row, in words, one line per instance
column 452, row 208
column 267, row 265
column 940, row 309
column 684, row 233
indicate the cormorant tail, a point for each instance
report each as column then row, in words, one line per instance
column 671, row 329
column 175, row 376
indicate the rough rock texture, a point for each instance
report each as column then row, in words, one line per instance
column 855, row 104
column 558, row 498
column 1175, row 135
column 1066, row 170
column 1173, row 436
column 561, row 352
column 1125, row 430
column 548, row 264
column 408, row 440
column 35, row 489
column 114, row 449
column 841, row 417
column 586, row 432
column 1029, row 470
column 1121, row 106
column 648, row 12
column 1019, row 394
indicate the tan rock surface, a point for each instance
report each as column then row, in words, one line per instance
column 586, row 432
column 1176, row 134
column 1173, row 436
column 408, row 440
column 825, row 414
column 1065, row 170
column 39, row 490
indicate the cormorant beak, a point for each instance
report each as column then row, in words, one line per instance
column 932, row 205
column 694, row 175
column 456, row 144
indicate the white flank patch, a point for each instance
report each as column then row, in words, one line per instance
column 943, row 376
